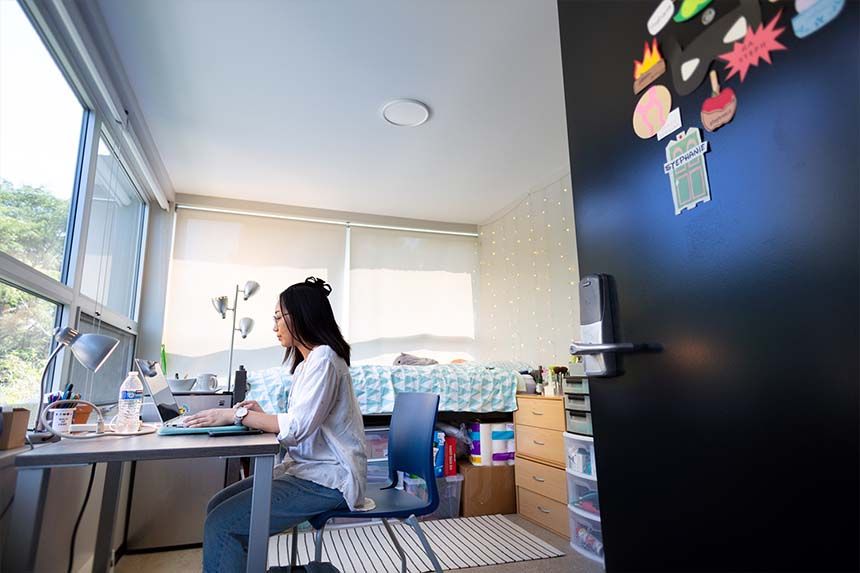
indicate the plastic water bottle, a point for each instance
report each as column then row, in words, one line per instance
column 129, row 404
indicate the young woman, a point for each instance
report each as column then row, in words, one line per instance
column 325, row 466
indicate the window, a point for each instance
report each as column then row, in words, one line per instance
column 41, row 123
column 102, row 387
column 26, row 326
column 113, row 237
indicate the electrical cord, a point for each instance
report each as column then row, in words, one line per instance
column 6, row 509
column 100, row 431
column 80, row 516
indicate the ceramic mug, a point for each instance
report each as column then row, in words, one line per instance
column 206, row 383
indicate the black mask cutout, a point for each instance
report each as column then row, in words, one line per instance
column 706, row 44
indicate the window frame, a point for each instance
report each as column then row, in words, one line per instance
column 65, row 292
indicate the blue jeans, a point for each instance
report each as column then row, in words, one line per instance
column 228, row 517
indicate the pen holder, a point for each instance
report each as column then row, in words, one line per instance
column 62, row 419
column 82, row 414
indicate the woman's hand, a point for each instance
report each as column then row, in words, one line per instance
column 213, row 417
column 251, row 405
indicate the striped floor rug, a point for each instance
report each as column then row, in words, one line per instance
column 459, row 543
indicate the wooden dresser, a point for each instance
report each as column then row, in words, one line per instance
column 540, row 462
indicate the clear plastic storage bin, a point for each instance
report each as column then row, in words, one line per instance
column 376, row 440
column 582, row 494
column 377, row 472
column 579, row 456
column 576, row 385
column 586, row 536
column 450, row 489
column 578, row 402
column 579, row 422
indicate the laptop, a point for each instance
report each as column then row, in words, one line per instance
column 171, row 415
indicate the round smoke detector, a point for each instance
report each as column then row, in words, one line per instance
column 406, row 112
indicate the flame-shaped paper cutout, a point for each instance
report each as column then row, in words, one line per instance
column 755, row 47
column 649, row 69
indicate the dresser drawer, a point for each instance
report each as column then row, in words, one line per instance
column 544, row 511
column 546, row 480
column 540, row 413
column 540, row 443
column 579, row 402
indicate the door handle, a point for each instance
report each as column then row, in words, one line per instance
column 582, row 348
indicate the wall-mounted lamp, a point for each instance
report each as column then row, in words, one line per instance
column 246, row 325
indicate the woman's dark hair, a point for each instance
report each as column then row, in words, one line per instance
column 310, row 320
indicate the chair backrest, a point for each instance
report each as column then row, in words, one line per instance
column 410, row 439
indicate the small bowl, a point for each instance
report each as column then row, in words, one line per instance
column 181, row 384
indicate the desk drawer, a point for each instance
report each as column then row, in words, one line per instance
column 544, row 511
column 540, row 413
column 540, row 443
column 546, row 480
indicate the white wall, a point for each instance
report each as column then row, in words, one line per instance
column 529, row 306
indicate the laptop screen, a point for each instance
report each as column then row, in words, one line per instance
column 161, row 394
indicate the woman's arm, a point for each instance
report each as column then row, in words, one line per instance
column 261, row 421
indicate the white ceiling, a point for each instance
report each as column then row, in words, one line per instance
column 279, row 101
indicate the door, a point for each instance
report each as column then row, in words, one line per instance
column 736, row 447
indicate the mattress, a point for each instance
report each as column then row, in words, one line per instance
column 472, row 387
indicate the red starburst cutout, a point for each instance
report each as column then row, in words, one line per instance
column 755, row 47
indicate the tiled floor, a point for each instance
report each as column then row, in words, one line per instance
column 188, row 560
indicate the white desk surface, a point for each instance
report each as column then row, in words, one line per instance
column 148, row 447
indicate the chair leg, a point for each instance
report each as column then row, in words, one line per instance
column 294, row 548
column 413, row 522
column 396, row 545
column 318, row 543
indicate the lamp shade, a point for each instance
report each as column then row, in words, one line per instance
column 250, row 288
column 93, row 350
column 220, row 305
column 246, row 325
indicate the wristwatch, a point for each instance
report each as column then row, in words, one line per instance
column 239, row 415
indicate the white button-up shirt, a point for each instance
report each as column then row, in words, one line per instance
column 323, row 431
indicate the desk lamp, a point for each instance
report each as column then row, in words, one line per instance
column 91, row 350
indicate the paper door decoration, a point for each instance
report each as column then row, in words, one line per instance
column 720, row 108
column 649, row 69
column 492, row 444
column 688, row 174
column 660, row 17
column 754, row 48
column 690, row 8
column 652, row 111
column 689, row 64
column 814, row 15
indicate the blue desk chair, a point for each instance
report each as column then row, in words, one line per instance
column 410, row 450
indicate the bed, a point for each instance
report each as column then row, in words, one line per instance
column 480, row 387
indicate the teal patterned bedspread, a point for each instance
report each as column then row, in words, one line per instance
column 472, row 387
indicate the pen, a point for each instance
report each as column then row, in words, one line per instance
column 68, row 391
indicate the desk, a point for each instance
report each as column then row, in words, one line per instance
column 34, row 474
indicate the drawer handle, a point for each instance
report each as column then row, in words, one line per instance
column 543, row 510
column 538, row 479
column 539, row 443
column 536, row 413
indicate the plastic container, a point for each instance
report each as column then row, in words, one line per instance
column 450, row 490
column 376, row 440
column 582, row 494
column 579, row 422
column 586, row 537
column 579, row 402
column 579, row 456
column 129, row 404
column 576, row 385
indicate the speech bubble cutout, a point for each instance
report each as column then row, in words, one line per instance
column 661, row 17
